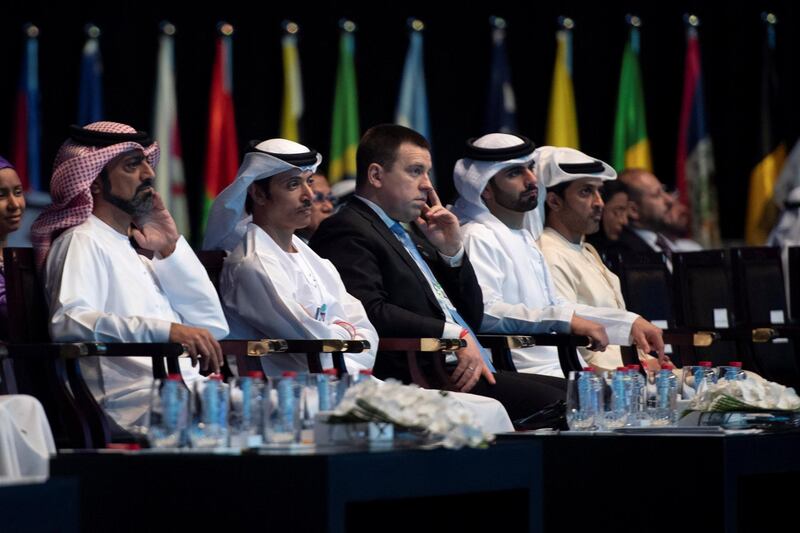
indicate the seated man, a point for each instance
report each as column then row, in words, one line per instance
column 322, row 206
column 498, row 193
column 615, row 215
column 574, row 183
column 99, row 288
column 418, row 283
column 647, row 215
column 273, row 285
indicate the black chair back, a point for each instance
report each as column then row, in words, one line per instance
column 42, row 377
column 704, row 292
column 793, row 274
column 760, row 298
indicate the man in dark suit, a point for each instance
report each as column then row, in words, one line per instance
column 647, row 212
column 417, row 283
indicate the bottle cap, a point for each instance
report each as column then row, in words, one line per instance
column 737, row 364
column 289, row 374
column 704, row 363
column 174, row 377
column 255, row 374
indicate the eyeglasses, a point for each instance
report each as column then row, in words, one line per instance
column 321, row 197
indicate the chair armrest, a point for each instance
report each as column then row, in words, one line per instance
column 501, row 346
column 424, row 344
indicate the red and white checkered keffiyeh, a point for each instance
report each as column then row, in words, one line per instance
column 75, row 168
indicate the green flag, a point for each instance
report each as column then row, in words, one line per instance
column 345, row 134
column 631, row 145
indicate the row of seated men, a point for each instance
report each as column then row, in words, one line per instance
column 393, row 262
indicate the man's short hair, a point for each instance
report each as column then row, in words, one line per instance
column 612, row 187
column 558, row 190
column 379, row 145
column 262, row 184
column 628, row 177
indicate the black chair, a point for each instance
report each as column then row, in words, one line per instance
column 51, row 371
column 647, row 287
column 760, row 298
column 793, row 274
column 704, row 291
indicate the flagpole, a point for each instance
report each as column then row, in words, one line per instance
column 347, row 25
column 290, row 27
column 92, row 31
column 167, row 28
column 415, row 24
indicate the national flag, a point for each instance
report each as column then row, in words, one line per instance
column 695, row 158
column 631, row 148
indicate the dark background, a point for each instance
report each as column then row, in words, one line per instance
column 457, row 48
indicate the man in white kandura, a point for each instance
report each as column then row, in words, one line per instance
column 273, row 285
column 498, row 193
column 97, row 285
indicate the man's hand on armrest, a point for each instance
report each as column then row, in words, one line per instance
column 198, row 343
column 470, row 367
column 593, row 330
column 648, row 338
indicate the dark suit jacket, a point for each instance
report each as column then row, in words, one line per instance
column 628, row 241
column 377, row 269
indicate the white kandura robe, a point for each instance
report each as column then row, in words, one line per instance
column 266, row 292
column 580, row 276
column 527, row 303
column 100, row 289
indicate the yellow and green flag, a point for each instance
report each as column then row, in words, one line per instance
column 562, row 119
column 762, row 213
column 631, row 145
column 292, row 109
column 345, row 135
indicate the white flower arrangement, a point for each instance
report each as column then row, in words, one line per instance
column 433, row 413
column 745, row 395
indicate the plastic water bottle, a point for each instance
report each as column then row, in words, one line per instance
column 637, row 414
column 620, row 390
column 704, row 376
column 326, row 389
column 733, row 371
column 664, row 411
column 617, row 410
column 286, row 403
column 168, row 413
column 210, row 419
column 590, row 395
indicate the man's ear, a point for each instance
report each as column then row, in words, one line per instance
column 633, row 210
column 256, row 194
column 554, row 201
column 96, row 187
column 375, row 175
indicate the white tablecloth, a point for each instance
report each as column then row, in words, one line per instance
column 26, row 442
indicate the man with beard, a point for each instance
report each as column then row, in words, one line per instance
column 97, row 285
column 648, row 212
column 575, row 207
column 498, row 195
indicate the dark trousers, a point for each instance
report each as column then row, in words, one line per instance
column 522, row 394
